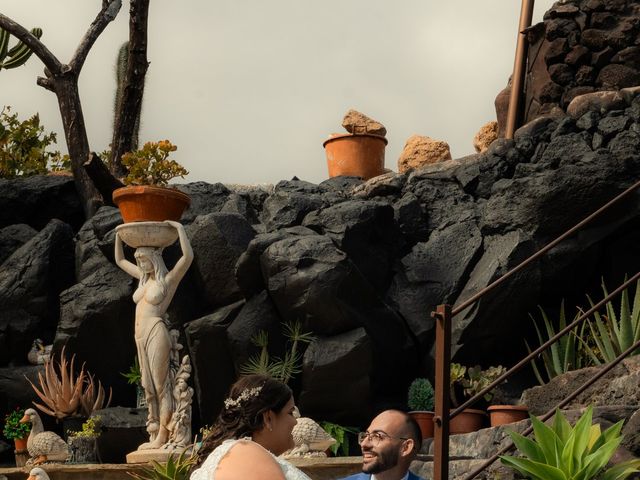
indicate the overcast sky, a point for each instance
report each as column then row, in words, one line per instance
column 249, row 89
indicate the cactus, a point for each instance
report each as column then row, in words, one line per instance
column 121, row 74
column 18, row 54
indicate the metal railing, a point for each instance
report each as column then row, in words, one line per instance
column 443, row 318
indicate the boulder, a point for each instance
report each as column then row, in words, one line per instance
column 205, row 198
column 13, row 237
column 30, row 281
column 356, row 122
column 618, row 76
column 97, row 324
column 37, row 199
column 218, row 240
column 213, row 370
column 420, row 150
column 248, row 270
column 485, row 136
column 290, row 202
column 366, row 231
column 340, row 363
column 94, row 245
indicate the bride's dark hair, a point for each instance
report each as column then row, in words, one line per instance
column 241, row 414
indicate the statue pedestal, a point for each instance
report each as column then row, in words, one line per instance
column 160, row 455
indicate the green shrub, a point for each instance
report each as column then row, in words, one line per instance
column 24, row 147
column 341, row 435
column 562, row 452
column 13, row 428
column 150, row 165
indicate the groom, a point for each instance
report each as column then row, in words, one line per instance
column 389, row 446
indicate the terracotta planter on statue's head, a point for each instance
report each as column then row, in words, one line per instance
column 142, row 203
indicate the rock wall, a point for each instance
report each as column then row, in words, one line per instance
column 361, row 265
column 582, row 46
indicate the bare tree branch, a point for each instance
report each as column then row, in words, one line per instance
column 42, row 52
column 107, row 14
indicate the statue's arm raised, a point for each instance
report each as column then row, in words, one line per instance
column 183, row 264
column 122, row 262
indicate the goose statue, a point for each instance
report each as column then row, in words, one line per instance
column 43, row 446
column 38, row 474
column 310, row 439
column 39, row 353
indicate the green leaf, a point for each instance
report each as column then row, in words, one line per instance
column 547, row 440
column 535, row 470
column 527, row 447
column 621, row 471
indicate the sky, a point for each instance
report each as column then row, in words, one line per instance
column 249, row 89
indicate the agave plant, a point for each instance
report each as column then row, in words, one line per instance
column 567, row 353
column 563, row 452
column 64, row 393
column 614, row 333
column 172, row 469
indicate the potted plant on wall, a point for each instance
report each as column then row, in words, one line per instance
column 420, row 403
column 18, row 432
column 83, row 443
column 146, row 196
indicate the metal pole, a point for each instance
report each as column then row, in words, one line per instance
column 442, row 316
column 519, row 68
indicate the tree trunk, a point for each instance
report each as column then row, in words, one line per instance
column 66, row 89
column 128, row 111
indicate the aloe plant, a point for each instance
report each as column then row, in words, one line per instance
column 613, row 333
column 567, row 353
column 563, row 452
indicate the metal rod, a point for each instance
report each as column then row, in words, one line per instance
column 544, row 250
column 519, row 68
column 544, row 346
column 442, row 316
column 564, row 402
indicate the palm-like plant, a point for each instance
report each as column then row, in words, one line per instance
column 562, row 452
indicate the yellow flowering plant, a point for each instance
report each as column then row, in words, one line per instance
column 151, row 165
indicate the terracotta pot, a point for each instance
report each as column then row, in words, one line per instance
column 142, row 203
column 469, row 420
column 20, row 444
column 360, row 155
column 425, row 421
column 503, row 414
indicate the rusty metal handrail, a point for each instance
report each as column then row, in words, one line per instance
column 543, row 347
column 564, row 402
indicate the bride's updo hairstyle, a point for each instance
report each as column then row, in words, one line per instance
column 242, row 411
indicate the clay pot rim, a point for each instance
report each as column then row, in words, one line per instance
column 428, row 412
column 128, row 190
column 345, row 135
column 472, row 410
column 520, row 408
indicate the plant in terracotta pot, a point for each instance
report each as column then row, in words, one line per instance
column 470, row 381
column 420, row 402
column 147, row 196
column 16, row 431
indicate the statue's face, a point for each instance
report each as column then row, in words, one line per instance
column 144, row 263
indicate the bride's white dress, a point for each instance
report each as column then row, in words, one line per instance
column 208, row 469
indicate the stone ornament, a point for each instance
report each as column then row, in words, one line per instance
column 164, row 375
column 43, row 446
column 310, row 439
column 38, row 474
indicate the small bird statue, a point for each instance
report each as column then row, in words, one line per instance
column 43, row 446
column 310, row 438
column 38, row 474
column 39, row 353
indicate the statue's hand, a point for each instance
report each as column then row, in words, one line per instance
column 176, row 225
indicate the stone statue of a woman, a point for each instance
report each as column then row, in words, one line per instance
column 155, row 291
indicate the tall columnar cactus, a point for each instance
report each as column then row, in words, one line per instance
column 121, row 75
column 18, row 54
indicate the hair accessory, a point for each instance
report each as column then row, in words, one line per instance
column 245, row 395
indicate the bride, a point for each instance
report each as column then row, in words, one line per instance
column 253, row 427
